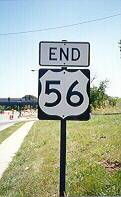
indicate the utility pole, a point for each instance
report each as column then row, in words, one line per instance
column 120, row 47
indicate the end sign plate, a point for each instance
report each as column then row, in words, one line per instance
column 64, row 53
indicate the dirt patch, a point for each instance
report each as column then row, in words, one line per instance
column 111, row 165
column 102, row 137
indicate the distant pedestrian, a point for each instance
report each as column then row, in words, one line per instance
column 19, row 116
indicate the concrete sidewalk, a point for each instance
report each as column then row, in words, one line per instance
column 10, row 146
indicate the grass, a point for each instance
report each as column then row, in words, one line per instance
column 94, row 142
column 8, row 131
column 35, row 168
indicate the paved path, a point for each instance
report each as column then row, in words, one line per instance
column 10, row 146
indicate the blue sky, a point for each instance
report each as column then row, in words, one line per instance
column 20, row 53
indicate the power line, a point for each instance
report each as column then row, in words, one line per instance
column 60, row 27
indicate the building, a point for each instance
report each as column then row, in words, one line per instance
column 21, row 102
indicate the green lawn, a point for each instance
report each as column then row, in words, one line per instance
column 93, row 160
column 8, row 131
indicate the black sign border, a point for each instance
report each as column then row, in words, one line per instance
column 83, row 117
column 65, row 65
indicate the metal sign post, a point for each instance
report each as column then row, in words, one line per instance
column 63, row 158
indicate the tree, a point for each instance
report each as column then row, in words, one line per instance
column 29, row 97
column 120, row 46
column 99, row 98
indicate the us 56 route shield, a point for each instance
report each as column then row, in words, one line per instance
column 64, row 94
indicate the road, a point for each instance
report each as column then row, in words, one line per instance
column 5, row 121
column 4, row 125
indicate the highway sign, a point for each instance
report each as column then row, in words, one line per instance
column 64, row 53
column 64, row 94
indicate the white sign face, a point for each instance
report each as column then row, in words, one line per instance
column 63, row 93
column 64, row 54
